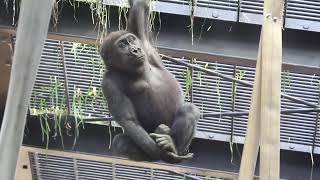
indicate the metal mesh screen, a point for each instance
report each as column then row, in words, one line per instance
column 83, row 70
column 300, row 14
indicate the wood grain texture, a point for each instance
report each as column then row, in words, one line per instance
column 31, row 33
column 265, row 102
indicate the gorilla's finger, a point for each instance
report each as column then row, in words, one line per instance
column 166, row 146
column 163, row 143
column 177, row 157
column 155, row 135
column 161, row 139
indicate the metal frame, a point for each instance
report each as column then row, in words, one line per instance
column 36, row 163
column 211, row 58
column 301, row 15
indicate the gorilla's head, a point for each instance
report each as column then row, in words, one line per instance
column 123, row 51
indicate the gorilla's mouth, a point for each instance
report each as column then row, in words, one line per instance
column 137, row 60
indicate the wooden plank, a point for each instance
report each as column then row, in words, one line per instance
column 270, row 91
column 31, row 33
column 23, row 169
column 252, row 140
column 265, row 103
column 113, row 160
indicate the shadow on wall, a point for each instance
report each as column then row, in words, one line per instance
column 5, row 67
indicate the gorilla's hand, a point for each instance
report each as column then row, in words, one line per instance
column 165, row 142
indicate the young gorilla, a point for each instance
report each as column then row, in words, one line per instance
column 144, row 98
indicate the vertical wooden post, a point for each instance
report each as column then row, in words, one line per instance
column 264, row 117
column 31, row 34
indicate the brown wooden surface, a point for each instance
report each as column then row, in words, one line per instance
column 31, row 34
column 5, row 67
column 252, row 140
column 23, row 169
column 265, row 105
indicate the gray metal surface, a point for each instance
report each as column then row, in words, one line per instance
column 300, row 14
column 209, row 93
column 49, row 167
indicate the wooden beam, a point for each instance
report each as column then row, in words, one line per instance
column 270, row 90
column 31, row 34
column 264, row 117
column 252, row 140
column 23, row 169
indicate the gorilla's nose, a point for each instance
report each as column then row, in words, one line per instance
column 135, row 50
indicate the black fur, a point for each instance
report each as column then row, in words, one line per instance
column 143, row 96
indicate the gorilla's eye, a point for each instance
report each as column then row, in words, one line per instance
column 122, row 44
column 130, row 39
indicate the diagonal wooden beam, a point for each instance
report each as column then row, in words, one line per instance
column 31, row 34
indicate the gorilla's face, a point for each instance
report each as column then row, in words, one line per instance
column 130, row 50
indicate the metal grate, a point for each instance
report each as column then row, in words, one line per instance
column 93, row 170
column 52, row 167
column 49, row 87
column 209, row 93
column 131, row 173
column 251, row 11
column 303, row 14
column 300, row 14
column 213, row 94
column 84, row 70
column 48, row 167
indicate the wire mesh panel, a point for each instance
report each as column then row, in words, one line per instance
column 299, row 128
column 251, row 11
column 165, row 175
column 48, row 167
column 49, row 88
column 242, row 101
column 84, row 73
column 132, row 173
column 93, row 170
column 72, row 166
column 303, row 14
column 213, row 94
column 217, row 9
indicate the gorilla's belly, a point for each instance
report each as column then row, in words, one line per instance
column 158, row 103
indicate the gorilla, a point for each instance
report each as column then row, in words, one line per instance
column 143, row 96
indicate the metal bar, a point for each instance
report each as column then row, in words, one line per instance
column 236, row 80
column 285, row 14
column 315, row 132
column 243, row 113
column 32, row 28
column 191, row 89
column 204, row 115
column 238, row 10
column 233, row 101
column 65, row 77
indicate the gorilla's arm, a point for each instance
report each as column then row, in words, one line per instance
column 122, row 109
column 139, row 25
column 138, row 19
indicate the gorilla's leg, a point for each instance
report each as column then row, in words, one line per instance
column 123, row 145
column 184, row 126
